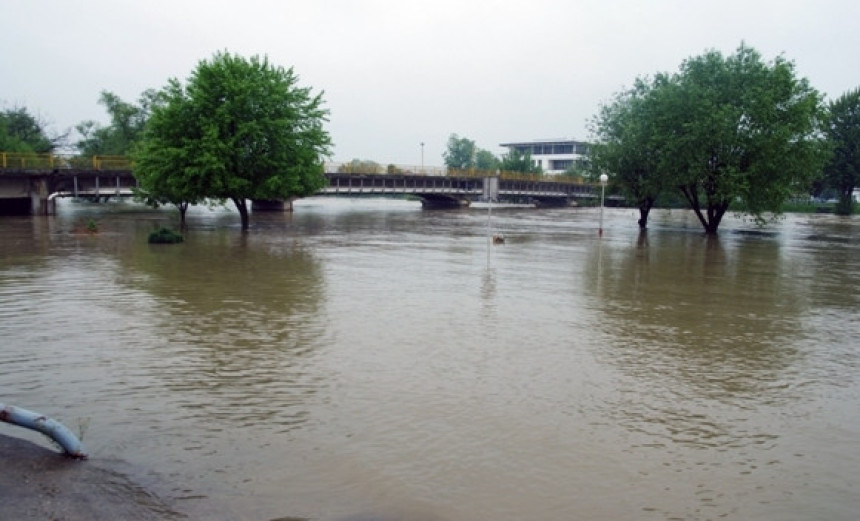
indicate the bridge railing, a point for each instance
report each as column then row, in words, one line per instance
column 392, row 169
column 30, row 161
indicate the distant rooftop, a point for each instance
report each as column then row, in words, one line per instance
column 544, row 141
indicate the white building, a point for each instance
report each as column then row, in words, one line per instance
column 554, row 156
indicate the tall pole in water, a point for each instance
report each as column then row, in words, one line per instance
column 603, row 179
column 489, row 231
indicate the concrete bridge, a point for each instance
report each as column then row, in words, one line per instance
column 30, row 184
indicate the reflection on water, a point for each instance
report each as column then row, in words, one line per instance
column 360, row 358
column 719, row 318
column 240, row 319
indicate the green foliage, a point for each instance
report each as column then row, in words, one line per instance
column 486, row 160
column 127, row 122
column 358, row 166
column 723, row 130
column 581, row 170
column 460, row 153
column 751, row 134
column 92, row 226
column 842, row 172
column 239, row 129
column 627, row 145
column 165, row 236
column 519, row 161
column 22, row 132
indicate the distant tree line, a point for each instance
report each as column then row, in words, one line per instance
column 462, row 154
column 23, row 132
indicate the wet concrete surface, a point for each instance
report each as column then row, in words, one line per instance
column 37, row 483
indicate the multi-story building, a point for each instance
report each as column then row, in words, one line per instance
column 554, row 156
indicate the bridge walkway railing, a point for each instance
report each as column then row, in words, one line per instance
column 30, row 161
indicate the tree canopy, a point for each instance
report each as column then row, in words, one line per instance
column 627, row 147
column 460, row 153
column 517, row 160
column 239, row 129
column 127, row 122
column 843, row 133
column 486, row 161
column 20, row 131
column 727, row 131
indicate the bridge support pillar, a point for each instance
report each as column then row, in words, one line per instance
column 491, row 189
column 260, row 205
column 39, row 202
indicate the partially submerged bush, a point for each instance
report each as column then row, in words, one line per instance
column 165, row 236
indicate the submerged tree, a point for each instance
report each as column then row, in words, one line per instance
column 626, row 146
column 726, row 131
column 738, row 131
column 240, row 129
column 170, row 162
column 843, row 133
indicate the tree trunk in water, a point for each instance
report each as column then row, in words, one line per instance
column 715, row 212
column 845, row 206
column 644, row 210
column 242, row 206
column 183, row 208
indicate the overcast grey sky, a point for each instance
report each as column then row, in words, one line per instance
column 396, row 72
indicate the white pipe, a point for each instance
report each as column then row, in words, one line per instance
column 47, row 426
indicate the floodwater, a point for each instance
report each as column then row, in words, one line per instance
column 368, row 358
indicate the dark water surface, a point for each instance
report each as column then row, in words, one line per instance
column 359, row 357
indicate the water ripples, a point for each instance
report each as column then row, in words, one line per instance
column 334, row 359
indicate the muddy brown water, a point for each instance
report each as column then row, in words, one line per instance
column 367, row 359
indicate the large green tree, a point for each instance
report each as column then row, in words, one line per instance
column 170, row 161
column 239, row 129
column 842, row 172
column 727, row 131
column 625, row 144
column 737, row 131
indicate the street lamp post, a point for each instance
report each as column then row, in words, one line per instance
column 422, row 157
column 603, row 179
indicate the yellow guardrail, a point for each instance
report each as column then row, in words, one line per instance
column 28, row 161
column 378, row 169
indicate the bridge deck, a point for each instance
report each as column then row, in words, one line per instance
column 43, row 179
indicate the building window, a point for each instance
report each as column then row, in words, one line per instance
column 560, row 164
